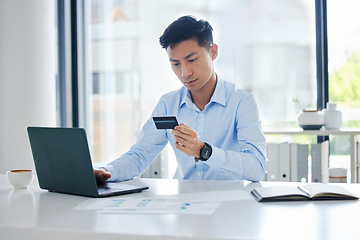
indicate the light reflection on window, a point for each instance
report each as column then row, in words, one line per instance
column 265, row 48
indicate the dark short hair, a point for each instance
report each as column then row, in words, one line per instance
column 185, row 28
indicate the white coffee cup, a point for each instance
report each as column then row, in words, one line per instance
column 20, row 178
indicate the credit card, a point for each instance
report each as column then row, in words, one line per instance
column 165, row 122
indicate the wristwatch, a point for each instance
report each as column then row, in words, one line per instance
column 205, row 152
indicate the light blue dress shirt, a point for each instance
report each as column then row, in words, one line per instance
column 229, row 123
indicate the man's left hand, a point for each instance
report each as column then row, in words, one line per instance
column 187, row 140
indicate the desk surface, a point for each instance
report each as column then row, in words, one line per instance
column 38, row 214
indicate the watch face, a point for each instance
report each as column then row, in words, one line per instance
column 205, row 152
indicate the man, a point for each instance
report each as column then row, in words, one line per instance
column 220, row 134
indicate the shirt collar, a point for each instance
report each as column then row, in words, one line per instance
column 219, row 95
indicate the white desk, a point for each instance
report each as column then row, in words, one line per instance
column 351, row 132
column 38, row 214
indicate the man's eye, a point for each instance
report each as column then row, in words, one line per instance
column 193, row 60
column 175, row 64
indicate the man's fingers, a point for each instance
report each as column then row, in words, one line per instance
column 101, row 175
column 182, row 128
column 181, row 148
column 187, row 140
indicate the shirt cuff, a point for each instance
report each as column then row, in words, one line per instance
column 111, row 170
column 217, row 158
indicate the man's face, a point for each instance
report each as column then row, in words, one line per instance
column 192, row 64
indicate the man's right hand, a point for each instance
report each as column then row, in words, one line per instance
column 101, row 175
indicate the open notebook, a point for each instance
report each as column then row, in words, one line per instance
column 314, row 191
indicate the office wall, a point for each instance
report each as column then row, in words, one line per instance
column 27, row 76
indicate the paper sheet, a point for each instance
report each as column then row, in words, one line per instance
column 231, row 195
column 186, row 203
column 148, row 205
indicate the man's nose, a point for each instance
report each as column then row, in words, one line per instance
column 186, row 71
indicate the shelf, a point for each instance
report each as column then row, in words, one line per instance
column 299, row 131
column 352, row 132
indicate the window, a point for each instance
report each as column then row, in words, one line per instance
column 266, row 47
column 344, row 59
column 344, row 70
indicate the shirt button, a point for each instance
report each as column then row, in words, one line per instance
column 201, row 115
column 199, row 174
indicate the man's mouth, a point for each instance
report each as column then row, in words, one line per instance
column 191, row 82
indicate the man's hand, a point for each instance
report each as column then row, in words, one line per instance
column 187, row 140
column 101, row 175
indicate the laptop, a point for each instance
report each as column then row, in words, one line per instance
column 63, row 164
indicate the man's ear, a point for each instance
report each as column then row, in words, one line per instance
column 213, row 51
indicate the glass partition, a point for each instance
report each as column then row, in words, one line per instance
column 266, row 47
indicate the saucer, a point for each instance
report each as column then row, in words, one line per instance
column 311, row 127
